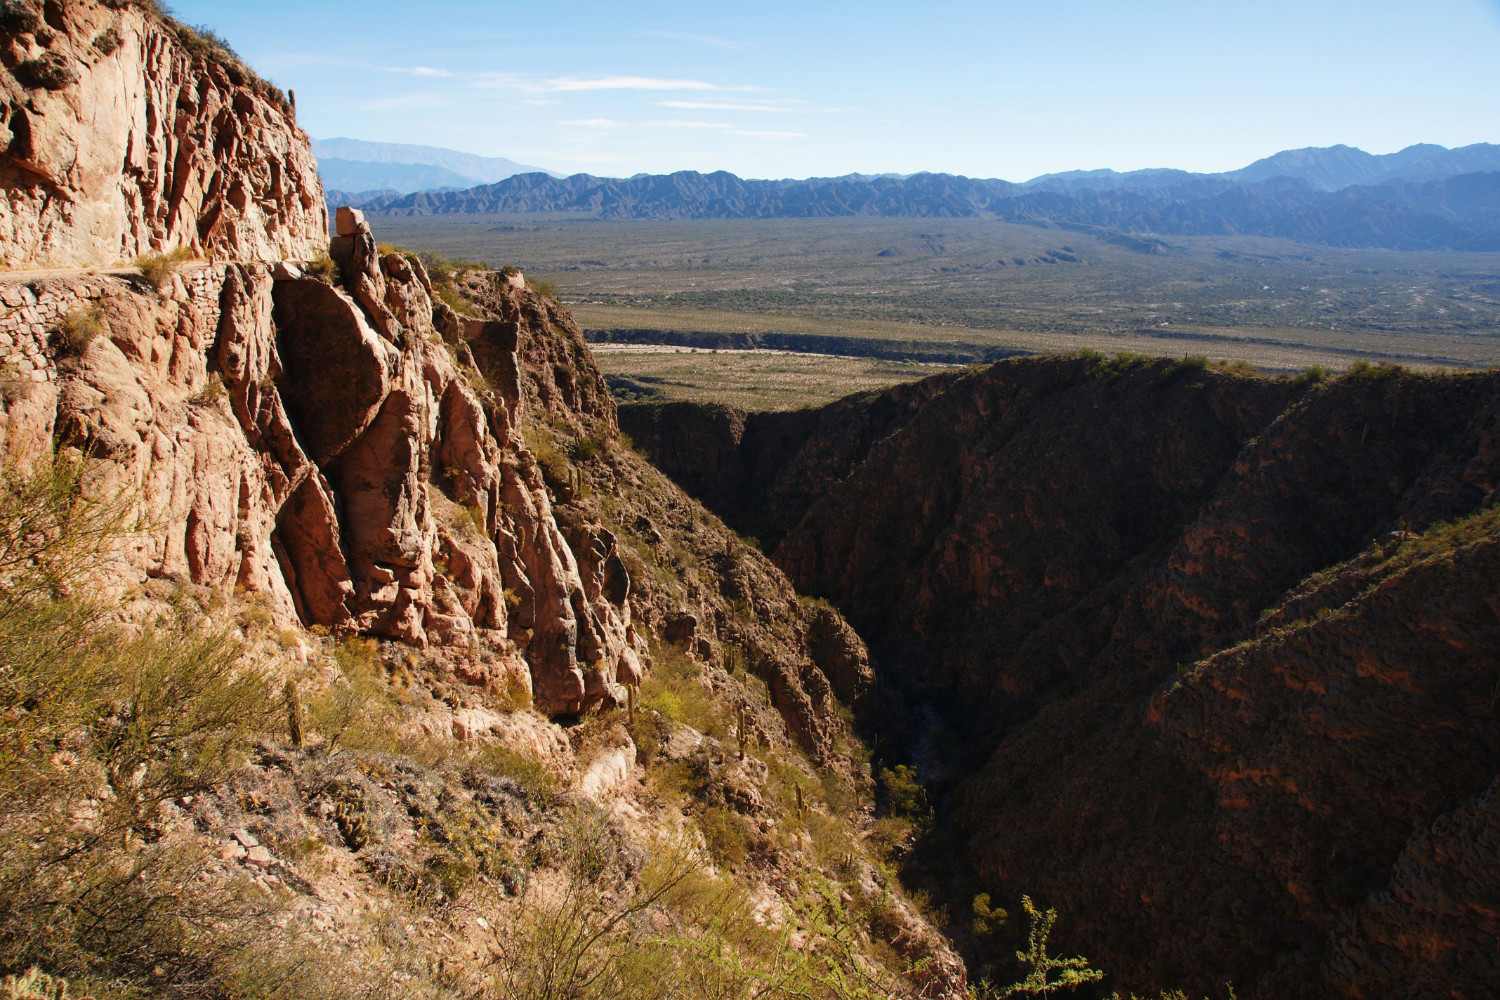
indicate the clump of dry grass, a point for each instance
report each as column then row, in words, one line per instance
column 158, row 268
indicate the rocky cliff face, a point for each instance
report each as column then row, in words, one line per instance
column 410, row 523
column 352, row 459
column 327, row 448
column 1227, row 736
column 123, row 133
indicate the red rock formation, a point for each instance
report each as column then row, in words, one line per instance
column 122, row 133
column 1075, row 555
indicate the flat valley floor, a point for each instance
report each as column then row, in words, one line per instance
column 963, row 290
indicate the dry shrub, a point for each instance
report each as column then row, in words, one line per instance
column 158, row 268
column 77, row 329
column 323, row 268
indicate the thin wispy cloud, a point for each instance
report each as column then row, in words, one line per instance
column 758, row 134
column 713, row 40
column 773, row 106
column 722, row 128
column 574, row 84
column 684, row 124
column 634, row 83
column 590, row 122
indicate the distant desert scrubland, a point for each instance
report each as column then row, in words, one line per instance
column 959, row 291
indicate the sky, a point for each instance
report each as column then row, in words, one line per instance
column 798, row 89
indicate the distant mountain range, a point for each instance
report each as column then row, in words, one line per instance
column 1324, row 168
column 371, row 167
column 1423, row 197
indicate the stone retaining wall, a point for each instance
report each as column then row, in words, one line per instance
column 32, row 309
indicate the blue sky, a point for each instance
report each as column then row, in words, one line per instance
column 779, row 89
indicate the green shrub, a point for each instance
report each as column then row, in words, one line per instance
column 1378, row 372
column 213, row 390
column 907, row 798
column 673, row 689
column 725, row 834
column 1110, row 369
column 542, row 287
column 1048, row 973
column 1311, row 375
column 987, row 919
column 532, row 776
column 586, row 449
column 105, row 725
column 1190, row 364
column 455, row 301
column 555, row 467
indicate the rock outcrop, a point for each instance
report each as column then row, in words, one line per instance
column 1227, row 735
column 407, row 495
column 124, row 133
column 282, row 442
column 326, row 447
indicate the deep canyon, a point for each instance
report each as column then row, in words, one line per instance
column 1206, row 660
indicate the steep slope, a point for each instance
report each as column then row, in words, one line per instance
column 343, row 461
column 421, row 647
column 1073, row 556
column 125, row 133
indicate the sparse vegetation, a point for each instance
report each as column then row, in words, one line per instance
column 107, row 40
column 1311, row 375
column 1048, row 974
column 20, row 16
column 323, row 268
column 752, row 380
column 77, row 329
column 586, row 449
column 213, row 390
column 50, row 70
column 158, row 268
column 105, row 727
column 824, row 277
column 1378, row 372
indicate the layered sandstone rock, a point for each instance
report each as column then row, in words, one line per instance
column 122, row 133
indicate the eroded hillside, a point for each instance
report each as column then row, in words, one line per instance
column 1222, row 678
column 348, row 650
column 123, row 132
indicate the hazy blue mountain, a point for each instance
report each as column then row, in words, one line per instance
column 1422, row 197
column 1482, row 157
column 1326, row 168
column 1461, row 213
column 356, row 165
column 355, row 199
column 356, row 175
column 1109, row 180
column 1331, row 168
